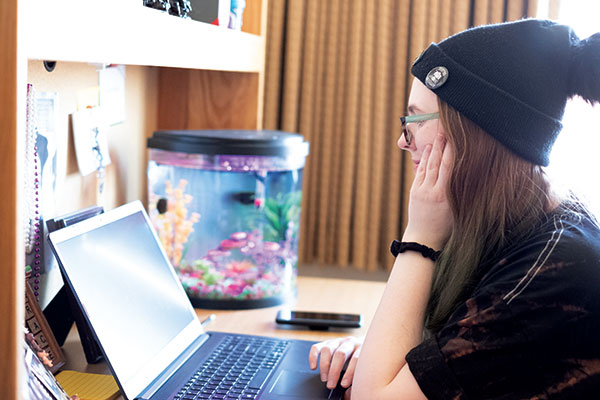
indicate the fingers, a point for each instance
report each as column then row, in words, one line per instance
column 338, row 360
column 421, row 170
column 434, row 160
column 323, row 349
column 331, row 356
column 445, row 165
column 313, row 355
column 349, row 374
column 326, row 359
column 429, row 211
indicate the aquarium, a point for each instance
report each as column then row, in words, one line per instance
column 226, row 207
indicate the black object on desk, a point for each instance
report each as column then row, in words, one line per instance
column 319, row 320
column 63, row 310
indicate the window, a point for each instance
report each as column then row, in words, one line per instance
column 575, row 159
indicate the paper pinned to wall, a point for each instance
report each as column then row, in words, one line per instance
column 112, row 93
column 91, row 143
column 47, row 116
column 87, row 98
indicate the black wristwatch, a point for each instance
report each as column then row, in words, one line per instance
column 427, row 252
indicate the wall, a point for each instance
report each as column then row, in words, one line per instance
column 125, row 178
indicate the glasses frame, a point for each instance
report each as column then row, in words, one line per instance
column 409, row 119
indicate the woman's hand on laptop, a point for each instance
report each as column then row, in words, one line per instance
column 334, row 354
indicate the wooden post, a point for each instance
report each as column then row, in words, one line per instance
column 12, row 280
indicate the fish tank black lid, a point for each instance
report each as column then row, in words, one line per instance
column 231, row 142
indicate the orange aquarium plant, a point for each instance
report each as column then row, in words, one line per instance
column 174, row 226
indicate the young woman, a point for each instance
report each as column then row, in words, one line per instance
column 495, row 291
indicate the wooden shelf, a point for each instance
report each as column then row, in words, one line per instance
column 213, row 79
column 125, row 32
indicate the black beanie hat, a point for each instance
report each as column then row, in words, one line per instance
column 513, row 79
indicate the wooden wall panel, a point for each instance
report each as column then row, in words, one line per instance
column 253, row 17
column 173, row 92
column 435, row 7
column 378, row 188
column 11, row 269
column 532, row 7
column 292, row 63
column 481, row 9
column 315, row 132
column 553, row 9
column 273, row 70
column 514, row 10
column 360, row 207
column 461, row 12
column 496, row 12
column 393, row 207
column 340, row 127
column 331, row 69
column 201, row 99
column 307, row 115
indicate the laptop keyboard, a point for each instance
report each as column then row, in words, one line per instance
column 237, row 369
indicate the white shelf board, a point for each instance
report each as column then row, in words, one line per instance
column 126, row 32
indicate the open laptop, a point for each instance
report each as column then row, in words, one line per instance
column 148, row 330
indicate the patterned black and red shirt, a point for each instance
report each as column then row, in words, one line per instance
column 531, row 327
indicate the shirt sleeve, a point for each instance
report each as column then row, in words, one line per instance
column 524, row 332
column 428, row 366
column 471, row 354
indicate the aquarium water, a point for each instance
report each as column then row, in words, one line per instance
column 226, row 207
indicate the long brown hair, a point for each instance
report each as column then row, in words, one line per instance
column 496, row 197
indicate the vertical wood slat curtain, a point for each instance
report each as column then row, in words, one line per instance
column 337, row 71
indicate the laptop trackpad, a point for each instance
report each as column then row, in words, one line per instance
column 303, row 385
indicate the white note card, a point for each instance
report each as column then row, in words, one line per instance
column 91, row 144
column 111, row 81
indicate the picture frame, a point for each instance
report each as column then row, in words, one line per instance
column 36, row 323
column 41, row 383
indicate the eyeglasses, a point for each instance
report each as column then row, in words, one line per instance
column 415, row 118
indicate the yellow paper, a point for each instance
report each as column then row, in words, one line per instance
column 88, row 386
column 88, row 97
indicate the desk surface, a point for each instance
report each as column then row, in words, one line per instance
column 314, row 294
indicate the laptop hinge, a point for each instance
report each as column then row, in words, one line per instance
column 172, row 368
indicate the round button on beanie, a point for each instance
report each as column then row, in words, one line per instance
column 513, row 79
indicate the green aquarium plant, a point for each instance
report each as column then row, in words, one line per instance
column 279, row 211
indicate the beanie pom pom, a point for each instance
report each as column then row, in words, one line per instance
column 584, row 72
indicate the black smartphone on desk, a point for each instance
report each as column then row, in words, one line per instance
column 319, row 320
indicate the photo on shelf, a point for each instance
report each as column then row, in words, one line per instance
column 41, row 384
column 179, row 8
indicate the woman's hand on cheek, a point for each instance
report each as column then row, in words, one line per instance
column 429, row 214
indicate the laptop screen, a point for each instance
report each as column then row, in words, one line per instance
column 129, row 291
